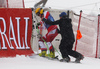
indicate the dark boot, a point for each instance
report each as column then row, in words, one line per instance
column 78, row 59
column 67, row 59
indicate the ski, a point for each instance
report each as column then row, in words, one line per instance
column 61, row 60
column 54, row 59
column 49, row 58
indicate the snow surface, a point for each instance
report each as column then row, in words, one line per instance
column 36, row 62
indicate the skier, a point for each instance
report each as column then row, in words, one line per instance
column 68, row 39
column 51, row 34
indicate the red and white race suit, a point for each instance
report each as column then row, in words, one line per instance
column 51, row 34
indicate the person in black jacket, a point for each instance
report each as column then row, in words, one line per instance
column 68, row 38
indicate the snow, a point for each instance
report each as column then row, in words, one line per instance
column 36, row 62
column 87, row 6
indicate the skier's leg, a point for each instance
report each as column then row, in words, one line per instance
column 50, row 36
column 42, row 46
column 41, row 42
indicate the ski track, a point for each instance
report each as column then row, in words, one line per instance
column 36, row 62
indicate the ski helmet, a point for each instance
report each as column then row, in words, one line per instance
column 39, row 11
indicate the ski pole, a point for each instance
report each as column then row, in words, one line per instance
column 57, row 51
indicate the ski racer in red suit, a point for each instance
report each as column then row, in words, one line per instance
column 51, row 34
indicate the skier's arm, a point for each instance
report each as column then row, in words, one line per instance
column 47, row 21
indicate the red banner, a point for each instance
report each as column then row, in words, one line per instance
column 15, row 32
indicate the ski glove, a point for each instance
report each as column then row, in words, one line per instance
column 44, row 19
column 37, row 25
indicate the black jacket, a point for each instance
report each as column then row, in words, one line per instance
column 65, row 25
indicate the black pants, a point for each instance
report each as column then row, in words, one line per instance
column 66, row 49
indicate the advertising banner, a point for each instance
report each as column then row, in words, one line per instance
column 15, row 32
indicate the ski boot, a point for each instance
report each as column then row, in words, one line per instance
column 52, row 52
column 67, row 59
column 42, row 54
column 81, row 57
column 51, row 55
